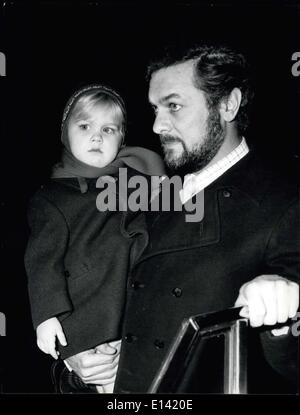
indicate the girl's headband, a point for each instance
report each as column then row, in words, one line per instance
column 94, row 87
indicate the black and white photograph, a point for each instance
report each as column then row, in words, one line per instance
column 150, row 200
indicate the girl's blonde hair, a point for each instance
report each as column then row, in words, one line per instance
column 91, row 96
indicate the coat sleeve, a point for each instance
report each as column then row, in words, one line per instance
column 283, row 258
column 282, row 253
column 44, row 261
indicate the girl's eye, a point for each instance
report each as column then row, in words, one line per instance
column 174, row 107
column 84, row 126
column 109, row 130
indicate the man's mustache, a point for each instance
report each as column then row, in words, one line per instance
column 167, row 139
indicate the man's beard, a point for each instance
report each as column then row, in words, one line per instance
column 196, row 159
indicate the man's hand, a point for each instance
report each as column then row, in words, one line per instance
column 97, row 366
column 109, row 388
column 269, row 299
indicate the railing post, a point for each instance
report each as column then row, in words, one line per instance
column 235, row 359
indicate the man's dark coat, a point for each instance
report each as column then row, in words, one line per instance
column 250, row 227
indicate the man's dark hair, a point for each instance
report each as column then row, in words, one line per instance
column 218, row 69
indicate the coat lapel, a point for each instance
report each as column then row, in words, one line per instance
column 165, row 237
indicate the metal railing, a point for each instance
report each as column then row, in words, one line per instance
column 226, row 325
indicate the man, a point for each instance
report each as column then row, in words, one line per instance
column 249, row 227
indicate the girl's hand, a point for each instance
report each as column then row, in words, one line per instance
column 46, row 334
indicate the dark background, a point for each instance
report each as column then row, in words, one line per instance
column 54, row 47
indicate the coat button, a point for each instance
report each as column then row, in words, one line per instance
column 226, row 193
column 177, row 292
column 130, row 338
column 159, row 344
column 136, row 285
column 67, row 273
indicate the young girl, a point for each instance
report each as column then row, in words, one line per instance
column 77, row 257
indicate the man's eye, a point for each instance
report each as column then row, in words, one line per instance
column 174, row 107
column 154, row 110
column 84, row 126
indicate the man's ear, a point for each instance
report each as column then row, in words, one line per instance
column 229, row 107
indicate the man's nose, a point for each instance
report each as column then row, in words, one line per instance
column 162, row 124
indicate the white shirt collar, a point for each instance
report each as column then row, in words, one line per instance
column 195, row 182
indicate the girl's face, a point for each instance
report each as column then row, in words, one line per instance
column 95, row 135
